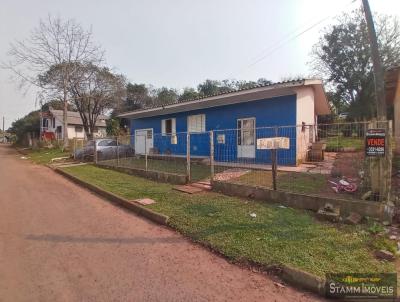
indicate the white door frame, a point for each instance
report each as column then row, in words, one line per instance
column 148, row 141
column 246, row 151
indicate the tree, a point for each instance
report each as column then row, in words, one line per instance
column 188, row 94
column 212, row 87
column 137, row 96
column 92, row 90
column 208, row 87
column 57, row 105
column 165, row 96
column 263, row 82
column 30, row 123
column 96, row 91
column 55, row 42
column 342, row 58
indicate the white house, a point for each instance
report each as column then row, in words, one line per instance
column 51, row 125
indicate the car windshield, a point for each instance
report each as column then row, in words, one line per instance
column 105, row 142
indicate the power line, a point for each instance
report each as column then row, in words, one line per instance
column 270, row 50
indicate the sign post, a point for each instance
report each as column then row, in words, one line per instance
column 273, row 143
column 375, row 143
column 378, row 150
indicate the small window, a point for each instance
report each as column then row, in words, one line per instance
column 197, row 123
column 168, row 126
column 239, row 132
column 149, row 134
column 78, row 128
column 54, row 122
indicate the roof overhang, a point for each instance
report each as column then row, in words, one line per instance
column 392, row 84
column 280, row 89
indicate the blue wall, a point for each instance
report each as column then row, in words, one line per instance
column 278, row 111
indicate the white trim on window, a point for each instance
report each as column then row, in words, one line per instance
column 196, row 123
column 164, row 126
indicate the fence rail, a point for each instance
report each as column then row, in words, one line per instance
column 324, row 159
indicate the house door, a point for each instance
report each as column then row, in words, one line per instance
column 143, row 141
column 246, row 137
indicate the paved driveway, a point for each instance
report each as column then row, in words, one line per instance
column 59, row 242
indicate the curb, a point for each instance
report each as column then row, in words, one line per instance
column 292, row 276
column 22, row 151
column 302, row 279
column 139, row 210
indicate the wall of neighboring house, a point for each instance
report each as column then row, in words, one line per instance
column 74, row 131
column 77, row 131
column 397, row 116
column 305, row 114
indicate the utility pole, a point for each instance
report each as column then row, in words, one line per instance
column 377, row 64
column 3, row 140
column 380, row 168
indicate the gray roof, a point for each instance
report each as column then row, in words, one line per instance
column 74, row 118
column 237, row 96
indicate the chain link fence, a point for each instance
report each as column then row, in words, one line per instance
column 326, row 159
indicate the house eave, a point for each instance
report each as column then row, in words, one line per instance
column 241, row 96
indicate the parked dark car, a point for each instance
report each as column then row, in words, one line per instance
column 106, row 149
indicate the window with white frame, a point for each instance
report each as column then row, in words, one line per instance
column 168, row 126
column 197, row 123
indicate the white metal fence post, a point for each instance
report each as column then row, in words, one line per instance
column 145, row 153
column 212, row 154
column 117, row 151
column 95, row 151
column 74, row 148
column 188, row 157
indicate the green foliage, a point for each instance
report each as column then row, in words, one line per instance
column 142, row 96
column 165, row 96
column 30, row 123
column 375, row 228
column 289, row 181
column 343, row 58
column 276, row 236
column 44, row 156
column 383, row 243
column 189, row 94
column 137, row 96
column 113, row 127
column 211, row 87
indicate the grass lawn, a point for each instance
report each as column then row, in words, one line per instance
column 337, row 142
column 44, row 156
column 177, row 166
column 288, row 181
column 276, row 236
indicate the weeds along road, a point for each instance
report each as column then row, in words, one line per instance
column 59, row 242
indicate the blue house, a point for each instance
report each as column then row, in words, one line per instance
column 237, row 119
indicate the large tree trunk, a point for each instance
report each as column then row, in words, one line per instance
column 65, row 120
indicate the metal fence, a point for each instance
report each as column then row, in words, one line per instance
column 325, row 159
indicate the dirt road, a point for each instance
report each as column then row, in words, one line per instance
column 59, row 242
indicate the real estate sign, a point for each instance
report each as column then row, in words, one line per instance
column 273, row 143
column 375, row 142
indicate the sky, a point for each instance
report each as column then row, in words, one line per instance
column 180, row 43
